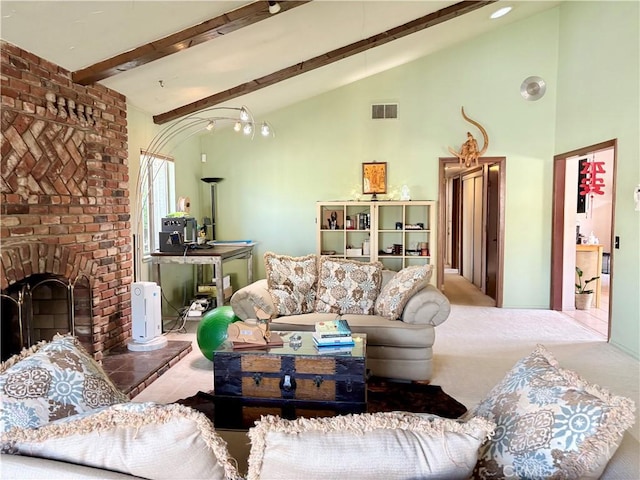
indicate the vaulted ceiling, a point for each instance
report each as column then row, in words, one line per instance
column 170, row 58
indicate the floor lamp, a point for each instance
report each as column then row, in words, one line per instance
column 213, row 182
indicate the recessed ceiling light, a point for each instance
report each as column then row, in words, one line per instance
column 274, row 7
column 501, row 12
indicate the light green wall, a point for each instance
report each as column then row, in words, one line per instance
column 271, row 187
column 588, row 54
column 141, row 130
column 598, row 100
column 177, row 281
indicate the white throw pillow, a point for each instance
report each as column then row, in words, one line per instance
column 142, row 439
column 384, row 446
column 551, row 423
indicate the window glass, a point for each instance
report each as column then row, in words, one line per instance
column 158, row 197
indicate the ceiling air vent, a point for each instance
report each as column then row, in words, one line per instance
column 381, row 111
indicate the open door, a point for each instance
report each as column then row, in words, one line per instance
column 453, row 223
column 566, row 213
column 473, row 215
column 493, row 230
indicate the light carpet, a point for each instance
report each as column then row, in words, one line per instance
column 476, row 346
column 473, row 350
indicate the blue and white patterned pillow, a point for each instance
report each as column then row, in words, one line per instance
column 551, row 423
column 50, row 381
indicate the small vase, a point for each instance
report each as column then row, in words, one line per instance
column 583, row 301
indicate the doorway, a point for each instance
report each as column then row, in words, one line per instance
column 583, row 222
column 471, row 224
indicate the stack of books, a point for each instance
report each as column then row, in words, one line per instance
column 335, row 350
column 333, row 333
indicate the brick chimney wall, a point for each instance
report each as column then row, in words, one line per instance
column 65, row 187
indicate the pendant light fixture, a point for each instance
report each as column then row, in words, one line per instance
column 170, row 137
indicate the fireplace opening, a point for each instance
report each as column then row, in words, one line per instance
column 42, row 305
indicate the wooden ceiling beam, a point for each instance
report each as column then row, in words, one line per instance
column 190, row 37
column 417, row 25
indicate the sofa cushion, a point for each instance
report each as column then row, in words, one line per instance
column 370, row 445
column 348, row 286
column 551, row 423
column 292, row 282
column 19, row 467
column 143, row 439
column 52, row 380
column 396, row 292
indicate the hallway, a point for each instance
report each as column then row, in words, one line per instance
column 460, row 291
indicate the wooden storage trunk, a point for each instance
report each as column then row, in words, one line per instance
column 287, row 382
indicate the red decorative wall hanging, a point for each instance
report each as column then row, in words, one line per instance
column 592, row 181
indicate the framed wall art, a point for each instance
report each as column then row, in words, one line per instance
column 374, row 178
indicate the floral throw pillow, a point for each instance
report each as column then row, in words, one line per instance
column 51, row 381
column 397, row 291
column 291, row 282
column 347, row 286
column 550, row 423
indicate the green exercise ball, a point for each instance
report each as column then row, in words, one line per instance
column 212, row 329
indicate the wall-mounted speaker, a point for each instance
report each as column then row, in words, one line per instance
column 533, row 88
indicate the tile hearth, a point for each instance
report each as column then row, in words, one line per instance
column 132, row 372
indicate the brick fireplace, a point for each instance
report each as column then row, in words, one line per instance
column 65, row 192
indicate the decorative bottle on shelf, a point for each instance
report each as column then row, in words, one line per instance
column 405, row 193
column 366, row 247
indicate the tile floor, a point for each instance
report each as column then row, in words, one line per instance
column 193, row 373
column 132, row 372
column 596, row 319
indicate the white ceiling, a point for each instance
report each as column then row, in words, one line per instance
column 76, row 34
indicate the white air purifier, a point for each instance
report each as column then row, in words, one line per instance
column 146, row 317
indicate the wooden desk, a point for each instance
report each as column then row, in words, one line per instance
column 589, row 260
column 215, row 256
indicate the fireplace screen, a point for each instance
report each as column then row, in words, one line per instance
column 40, row 306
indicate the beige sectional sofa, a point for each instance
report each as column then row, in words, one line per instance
column 539, row 421
column 398, row 346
